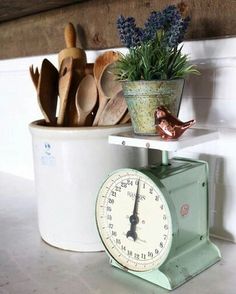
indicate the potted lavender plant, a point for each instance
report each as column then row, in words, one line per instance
column 153, row 71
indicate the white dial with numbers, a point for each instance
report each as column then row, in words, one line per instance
column 134, row 220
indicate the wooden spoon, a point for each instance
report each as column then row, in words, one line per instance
column 86, row 98
column 100, row 63
column 109, row 85
column 113, row 111
column 102, row 60
column 47, row 90
column 65, row 77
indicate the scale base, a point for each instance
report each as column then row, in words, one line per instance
column 181, row 268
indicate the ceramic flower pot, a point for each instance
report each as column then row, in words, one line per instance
column 143, row 98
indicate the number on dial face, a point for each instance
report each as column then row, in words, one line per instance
column 134, row 220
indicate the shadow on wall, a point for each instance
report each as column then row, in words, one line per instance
column 219, row 199
column 221, row 207
column 199, row 91
column 210, row 97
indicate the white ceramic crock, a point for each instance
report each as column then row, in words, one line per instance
column 70, row 165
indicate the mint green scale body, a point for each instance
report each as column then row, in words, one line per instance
column 184, row 184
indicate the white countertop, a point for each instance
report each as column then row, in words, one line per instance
column 28, row 265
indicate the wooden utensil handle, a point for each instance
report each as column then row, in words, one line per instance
column 70, row 35
column 65, row 77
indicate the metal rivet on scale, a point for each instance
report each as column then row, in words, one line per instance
column 123, row 143
column 147, row 145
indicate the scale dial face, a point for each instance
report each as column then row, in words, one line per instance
column 134, row 220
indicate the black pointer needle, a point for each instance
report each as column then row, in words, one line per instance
column 134, row 217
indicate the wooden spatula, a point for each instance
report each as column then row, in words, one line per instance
column 113, row 111
column 47, row 90
column 126, row 118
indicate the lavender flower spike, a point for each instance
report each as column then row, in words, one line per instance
column 130, row 35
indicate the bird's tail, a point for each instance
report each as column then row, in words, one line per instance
column 189, row 123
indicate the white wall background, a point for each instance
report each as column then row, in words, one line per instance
column 209, row 98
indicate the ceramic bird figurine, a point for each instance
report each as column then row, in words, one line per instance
column 169, row 126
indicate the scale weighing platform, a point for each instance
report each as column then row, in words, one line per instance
column 154, row 221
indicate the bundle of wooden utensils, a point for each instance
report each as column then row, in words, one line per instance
column 89, row 94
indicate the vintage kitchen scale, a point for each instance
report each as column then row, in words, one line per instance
column 153, row 221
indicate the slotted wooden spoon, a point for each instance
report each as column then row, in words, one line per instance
column 65, row 77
